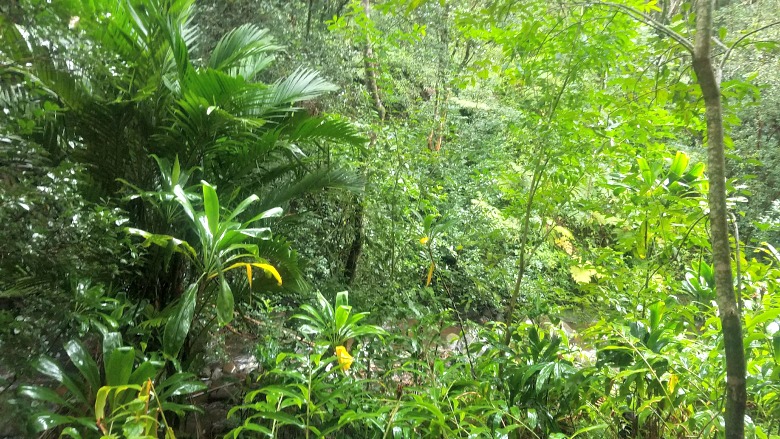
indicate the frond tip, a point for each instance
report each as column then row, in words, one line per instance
column 268, row 268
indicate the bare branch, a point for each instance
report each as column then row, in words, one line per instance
column 719, row 43
column 742, row 38
column 650, row 21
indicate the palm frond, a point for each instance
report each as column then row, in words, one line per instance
column 15, row 45
column 312, row 181
column 26, row 285
column 246, row 48
column 302, row 85
column 279, row 252
column 16, row 99
column 325, row 129
column 63, row 85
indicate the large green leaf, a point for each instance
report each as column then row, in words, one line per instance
column 51, row 369
column 301, row 85
column 45, row 421
column 145, row 371
column 179, row 384
column 84, row 363
column 240, row 45
column 679, row 164
column 242, row 206
column 181, row 197
column 119, row 366
column 224, row 301
column 178, row 325
column 211, row 207
column 111, row 341
column 43, row 394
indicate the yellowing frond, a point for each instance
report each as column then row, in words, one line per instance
column 248, row 266
column 430, row 274
column 270, row 270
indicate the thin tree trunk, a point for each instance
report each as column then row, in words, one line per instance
column 731, row 323
column 371, row 67
column 351, row 266
column 308, row 18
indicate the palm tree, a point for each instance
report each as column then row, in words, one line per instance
column 128, row 87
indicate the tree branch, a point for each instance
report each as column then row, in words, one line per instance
column 650, row 21
column 742, row 38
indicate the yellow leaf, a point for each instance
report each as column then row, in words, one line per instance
column 345, row 360
column 673, row 380
column 265, row 267
column 563, row 231
column 430, row 274
column 271, row 270
column 582, row 275
column 424, row 240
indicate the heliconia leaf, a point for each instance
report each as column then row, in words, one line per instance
column 656, row 313
column 51, row 369
column 270, row 269
column 111, row 341
column 70, row 432
column 46, row 421
column 84, row 363
column 182, row 199
column 180, row 384
column 178, row 325
column 119, row 366
column 270, row 213
column 589, row 428
column 342, row 298
column 261, row 233
column 679, row 164
column 224, row 302
column 696, row 171
column 341, row 316
column 42, row 394
column 211, row 206
column 164, row 241
column 647, row 174
column 242, row 206
column 176, row 171
column 672, row 385
column 101, row 400
column 145, row 371
column 641, row 240
column 100, row 403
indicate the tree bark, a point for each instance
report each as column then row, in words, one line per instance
column 308, row 18
column 731, row 323
column 351, row 265
column 371, row 67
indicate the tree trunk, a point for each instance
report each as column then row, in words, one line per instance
column 351, row 265
column 371, row 67
column 731, row 323
column 308, row 18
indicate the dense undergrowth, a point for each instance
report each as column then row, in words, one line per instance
column 513, row 193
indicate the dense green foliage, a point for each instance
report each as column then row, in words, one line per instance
column 513, row 193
